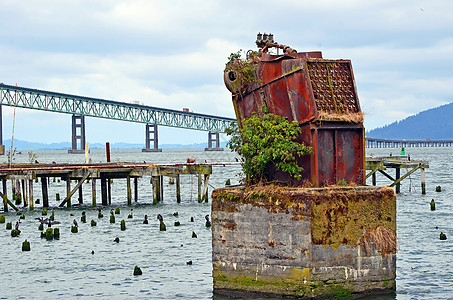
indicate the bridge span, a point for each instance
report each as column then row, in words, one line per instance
column 80, row 107
column 387, row 143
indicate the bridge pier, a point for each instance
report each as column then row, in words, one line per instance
column 2, row 147
column 78, row 134
column 151, row 135
column 213, row 137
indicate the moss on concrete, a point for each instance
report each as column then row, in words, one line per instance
column 343, row 217
column 293, row 287
column 348, row 216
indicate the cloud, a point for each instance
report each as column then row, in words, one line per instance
column 172, row 53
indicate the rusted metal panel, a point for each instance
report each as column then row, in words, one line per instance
column 333, row 86
column 320, row 95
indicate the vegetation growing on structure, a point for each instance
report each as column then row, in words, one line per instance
column 241, row 72
column 267, row 141
column 31, row 156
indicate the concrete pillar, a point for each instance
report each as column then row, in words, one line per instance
column 151, row 137
column 213, row 137
column 78, row 134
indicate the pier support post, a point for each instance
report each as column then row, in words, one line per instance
column 154, row 184
column 93, row 192
column 25, row 192
column 129, row 192
column 104, row 190
column 397, row 176
column 2, row 147
column 199, row 188
column 205, row 188
column 68, row 190
column 422, row 179
column 178, row 189
column 161, row 190
column 45, row 192
column 151, row 136
column 5, row 198
column 80, row 195
column 109, row 190
column 213, row 137
column 78, row 134
column 135, row 189
column 157, row 182
column 30, row 194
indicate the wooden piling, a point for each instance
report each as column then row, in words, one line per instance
column 205, row 187
column 104, row 190
column 178, row 189
column 161, row 190
column 18, row 192
column 30, row 194
column 199, row 188
column 45, row 192
column 24, row 192
column 135, row 189
column 80, row 195
column 422, row 179
column 93, row 192
column 109, row 190
column 397, row 176
column 68, row 190
column 155, row 189
column 5, row 198
column 128, row 188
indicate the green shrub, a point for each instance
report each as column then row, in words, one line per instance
column 267, row 141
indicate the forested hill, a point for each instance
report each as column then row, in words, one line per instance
column 434, row 124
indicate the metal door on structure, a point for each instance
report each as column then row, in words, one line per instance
column 339, row 155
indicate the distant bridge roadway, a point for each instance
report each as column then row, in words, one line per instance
column 387, row 143
column 108, row 109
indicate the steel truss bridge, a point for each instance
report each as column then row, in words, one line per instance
column 80, row 107
column 107, row 109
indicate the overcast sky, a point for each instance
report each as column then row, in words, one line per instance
column 172, row 54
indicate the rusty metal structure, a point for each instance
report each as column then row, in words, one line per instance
column 320, row 94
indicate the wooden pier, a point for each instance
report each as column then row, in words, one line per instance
column 26, row 174
column 381, row 164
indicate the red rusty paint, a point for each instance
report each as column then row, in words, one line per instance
column 319, row 94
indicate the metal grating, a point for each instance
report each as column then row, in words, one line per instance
column 333, row 87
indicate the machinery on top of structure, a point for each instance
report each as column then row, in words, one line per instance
column 320, row 94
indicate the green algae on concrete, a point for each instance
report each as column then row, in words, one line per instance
column 331, row 242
